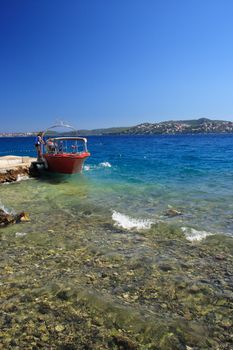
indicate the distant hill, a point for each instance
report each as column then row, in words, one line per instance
column 108, row 131
column 193, row 126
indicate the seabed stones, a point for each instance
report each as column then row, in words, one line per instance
column 73, row 283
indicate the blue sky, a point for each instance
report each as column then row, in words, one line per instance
column 103, row 63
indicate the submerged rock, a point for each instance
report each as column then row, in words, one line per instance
column 23, row 216
column 6, row 218
column 124, row 343
column 172, row 212
column 165, row 267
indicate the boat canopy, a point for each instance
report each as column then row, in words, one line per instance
column 60, row 125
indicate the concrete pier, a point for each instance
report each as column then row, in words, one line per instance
column 14, row 167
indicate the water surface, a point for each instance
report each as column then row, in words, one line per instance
column 101, row 264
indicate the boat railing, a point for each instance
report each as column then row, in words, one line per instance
column 58, row 145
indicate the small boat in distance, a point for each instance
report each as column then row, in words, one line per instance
column 64, row 154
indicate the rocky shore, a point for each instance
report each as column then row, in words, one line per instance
column 14, row 168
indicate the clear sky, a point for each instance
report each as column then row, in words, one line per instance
column 103, row 63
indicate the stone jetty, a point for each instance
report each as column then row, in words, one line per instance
column 13, row 168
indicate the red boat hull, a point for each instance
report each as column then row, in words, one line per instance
column 66, row 163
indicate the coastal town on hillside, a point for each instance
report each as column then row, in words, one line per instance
column 198, row 126
column 16, row 134
column 195, row 126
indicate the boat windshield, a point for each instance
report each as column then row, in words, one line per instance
column 71, row 145
column 63, row 138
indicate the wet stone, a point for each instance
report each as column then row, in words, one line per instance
column 220, row 257
column 87, row 213
column 7, row 320
column 123, row 343
column 67, row 346
column 194, row 288
column 170, row 341
column 65, row 294
column 44, row 308
column 165, row 267
column 173, row 212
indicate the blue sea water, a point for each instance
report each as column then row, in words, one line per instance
column 136, row 179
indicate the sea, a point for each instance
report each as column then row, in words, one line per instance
column 135, row 180
column 140, row 235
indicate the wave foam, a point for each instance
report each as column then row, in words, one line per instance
column 96, row 167
column 22, row 177
column 194, row 235
column 129, row 223
column 105, row 164
column 7, row 210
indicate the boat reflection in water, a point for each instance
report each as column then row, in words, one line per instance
column 64, row 154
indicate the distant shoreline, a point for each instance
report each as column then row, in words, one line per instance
column 179, row 127
column 135, row 135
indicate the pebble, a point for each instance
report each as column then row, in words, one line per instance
column 59, row 328
column 165, row 267
column 219, row 257
column 20, row 234
column 173, row 212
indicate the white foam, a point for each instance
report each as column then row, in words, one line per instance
column 22, row 177
column 6, row 210
column 20, row 234
column 194, row 235
column 129, row 223
column 88, row 167
column 105, row 164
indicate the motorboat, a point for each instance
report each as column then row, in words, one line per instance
column 64, row 154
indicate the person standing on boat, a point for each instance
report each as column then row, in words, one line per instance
column 50, row 146
column 38, row 142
